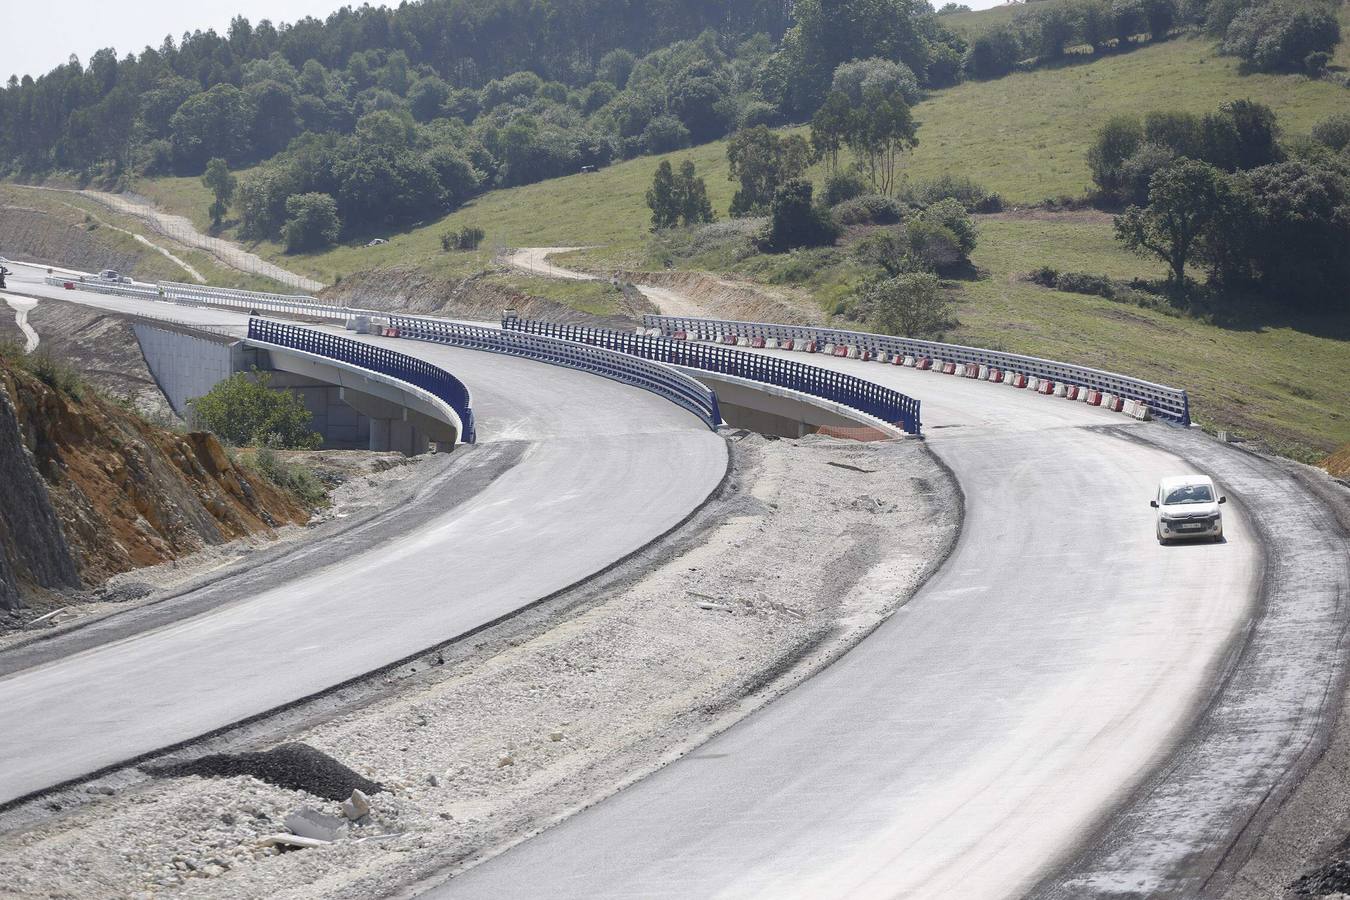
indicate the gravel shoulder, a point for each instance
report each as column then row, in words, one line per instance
column 806, row 548
column 1309, row 833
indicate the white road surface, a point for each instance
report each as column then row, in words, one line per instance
column 963, row 749
column 614, row 464
column 979, row 734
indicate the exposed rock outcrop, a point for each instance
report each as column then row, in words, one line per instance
column 33, row 549
column 125, row 493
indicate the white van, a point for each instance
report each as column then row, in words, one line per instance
column 1188, row 507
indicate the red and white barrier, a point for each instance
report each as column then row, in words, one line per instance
column 1072, row 391
column 1018, row 380
column 786, row 344
column 996, row 375
column 923, row 363
column 908, row 361
column 949, row 368
column 757, row 343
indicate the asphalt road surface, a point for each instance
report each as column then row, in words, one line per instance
column 610, row 468
column 974, row 739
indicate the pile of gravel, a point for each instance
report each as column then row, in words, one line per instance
column 296, row 767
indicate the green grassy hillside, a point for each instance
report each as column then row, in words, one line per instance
column 1024, row 136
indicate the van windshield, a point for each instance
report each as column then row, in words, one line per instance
column 1191, row 493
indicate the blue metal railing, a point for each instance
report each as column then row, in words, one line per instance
column 680, row 389
column 872, row 399
column 1164, row 402
column 409, row 369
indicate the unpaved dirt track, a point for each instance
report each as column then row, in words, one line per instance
column 614, row 464
column 181, row 229
column 535, row 261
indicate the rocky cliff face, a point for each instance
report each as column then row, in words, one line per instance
column 90, row 489
column 34, row 548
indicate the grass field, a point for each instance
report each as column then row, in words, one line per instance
column 1284, row 383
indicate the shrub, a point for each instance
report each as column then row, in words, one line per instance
column 55, row 373
column 1045, row 276
column 952, row 215
column 1086, row 283
column 245, row 412
column 843, row 185
column 311, row 222
column 966, row 191
column 934, row 248
column 467, row 238
column 994, row 53
column 299, row 480
column 664, row 134
column 796, row 221
column 1281, row 36
column 911, row 305
column 1334, row 131
column 869, row 209
column 1136, row 173
column 887, row 248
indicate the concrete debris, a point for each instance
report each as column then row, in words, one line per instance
column 55, row 617
column 555, row 736
column 311, row 823
column 358, row 805
column 716, row 607
column 505, row 760
column 280, row 839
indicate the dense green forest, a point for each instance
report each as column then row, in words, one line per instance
column 398, row 115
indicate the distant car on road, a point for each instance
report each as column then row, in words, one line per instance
column 377, row 242
column 1188, row 507
column 112, row 276
column 586, row 170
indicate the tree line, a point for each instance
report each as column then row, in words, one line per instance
column 1265, row 219
column 1267, row 35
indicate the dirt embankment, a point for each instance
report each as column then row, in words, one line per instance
column 126, row 493
column 725, row 299
column 410, row 290
column 60, row 240
column 101, row 346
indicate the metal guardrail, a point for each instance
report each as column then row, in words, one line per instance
column 401, row 366
column 296, row 305
column 1163, row 401
column 882, row 403
column 679, row 388
column 662, row 380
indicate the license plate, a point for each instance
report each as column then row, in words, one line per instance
column 1192, row 526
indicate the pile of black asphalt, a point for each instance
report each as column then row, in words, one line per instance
column 296, row 767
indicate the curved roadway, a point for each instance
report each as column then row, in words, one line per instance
column 977, row 736
column 613, row 463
